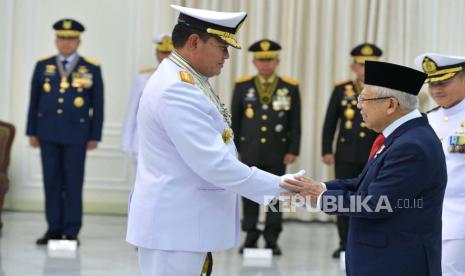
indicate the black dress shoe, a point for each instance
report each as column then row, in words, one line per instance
column 247, row 245
column 71, row 238
column 337, row 253
column 46, row 237
column 275, row 248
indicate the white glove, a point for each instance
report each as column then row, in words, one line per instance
column 292, row 175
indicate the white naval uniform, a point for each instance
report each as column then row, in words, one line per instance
column 446, row 123
column 129, row 136
column 186, row 194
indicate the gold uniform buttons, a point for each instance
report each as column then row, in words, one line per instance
column 60, row 111
column 242, row 138
column 284, row 140
column 263, row 140
column 362, row 134
column 264, row 117
column 263, row 128
column 82, row 120
column 61, row 100
column 446, row 119
column 342, row 140
column 362, row 124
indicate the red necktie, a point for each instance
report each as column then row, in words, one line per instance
column 376, row 144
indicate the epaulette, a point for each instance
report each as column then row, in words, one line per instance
column 186, row 77
column 342, row 82
column 45, row 57
column 91, row 61
column 434, row 109
column 244, row 79
column 290, row 81
column 147, row 70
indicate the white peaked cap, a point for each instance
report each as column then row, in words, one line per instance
column 223, row 24
column 439, row 67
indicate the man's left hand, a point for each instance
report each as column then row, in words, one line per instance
column 289, row 158
column 91, row 145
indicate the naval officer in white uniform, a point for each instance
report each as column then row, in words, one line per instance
column 186, row 196
column 163, row 47
column 446, row 83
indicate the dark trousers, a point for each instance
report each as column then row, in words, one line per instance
column 345, row 170
column 63, row 172
column 274, row 220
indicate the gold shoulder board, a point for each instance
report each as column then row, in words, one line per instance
column 147, row 70
column 45, row 57
column 186, row 77
column 91, row 61
column 290, row 80
column 243, row 79
column 342, row 82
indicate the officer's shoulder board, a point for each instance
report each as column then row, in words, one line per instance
column 91, row 61
column 339, row 83
column 290, row 81
column 186, row 77
column 243, row 79
column 147, row 70
column 432, row 110
column 45, row 57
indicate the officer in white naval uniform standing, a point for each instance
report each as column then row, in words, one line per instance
column 446, row 81
column 164, row 46
column 185, row 202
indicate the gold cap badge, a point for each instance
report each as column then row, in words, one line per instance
column 265, row 45
column 429, row 66
column 367, row 50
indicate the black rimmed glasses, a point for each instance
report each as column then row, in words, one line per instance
column 360, row 99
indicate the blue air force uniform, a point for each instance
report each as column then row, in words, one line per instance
column 65, row 112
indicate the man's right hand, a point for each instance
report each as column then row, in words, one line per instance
column 328, row 159
column 34, row 142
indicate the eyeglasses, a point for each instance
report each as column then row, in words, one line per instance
column 361, row 100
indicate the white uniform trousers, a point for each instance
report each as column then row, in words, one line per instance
column 153, row 262
column 453, row 260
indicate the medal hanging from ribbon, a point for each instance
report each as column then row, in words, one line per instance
column 64, row 73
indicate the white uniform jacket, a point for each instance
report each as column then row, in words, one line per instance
column 129, row 136
column 447, row 123
column 188, row 179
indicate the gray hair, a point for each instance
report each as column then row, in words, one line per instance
column 407, row 102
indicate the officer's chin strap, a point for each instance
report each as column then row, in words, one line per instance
column 207, row 265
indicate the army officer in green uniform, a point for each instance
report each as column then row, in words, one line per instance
column 354, row 141
column 266, row 124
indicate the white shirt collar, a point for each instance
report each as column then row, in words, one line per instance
column 70, row 58
column 455, row 109
column 397, row 123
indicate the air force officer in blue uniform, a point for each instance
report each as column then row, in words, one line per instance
column 65, row 119
column 398, row 229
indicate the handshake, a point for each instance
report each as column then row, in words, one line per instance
column 296, row 184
